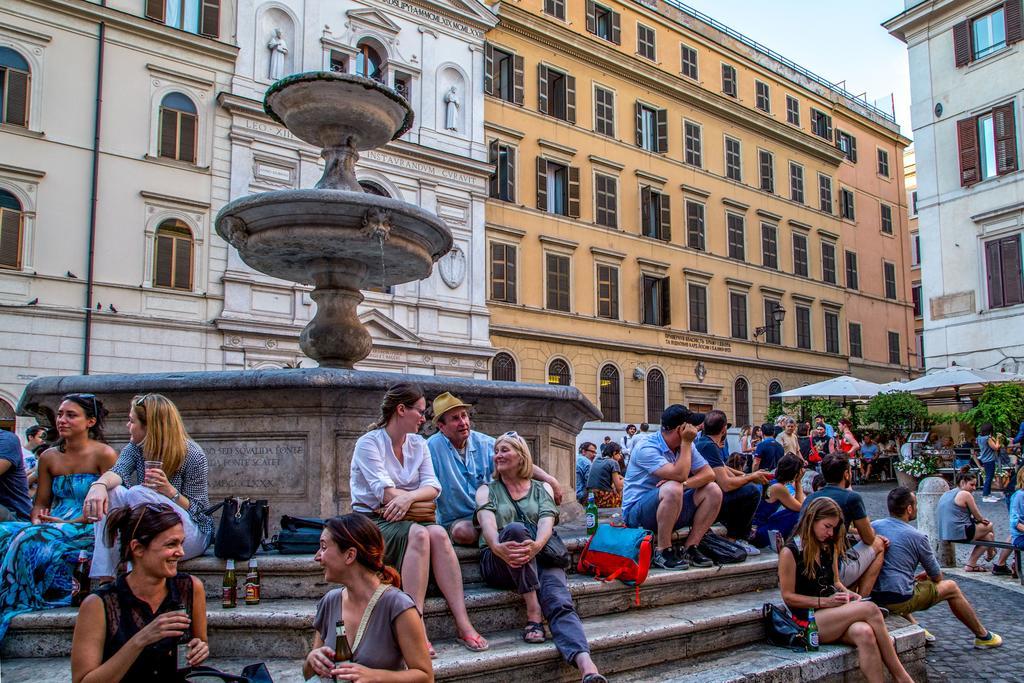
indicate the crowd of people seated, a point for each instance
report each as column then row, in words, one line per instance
column 143, row 511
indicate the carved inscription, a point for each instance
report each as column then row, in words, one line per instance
column 270, row 465
column 697, row 342
column 435, row 17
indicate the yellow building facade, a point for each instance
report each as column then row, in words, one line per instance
column 663, row 191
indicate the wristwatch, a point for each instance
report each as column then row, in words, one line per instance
column 176, row 496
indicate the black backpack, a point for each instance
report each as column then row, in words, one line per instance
column 721, row 550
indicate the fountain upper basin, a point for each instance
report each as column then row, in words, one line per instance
column 282, row 233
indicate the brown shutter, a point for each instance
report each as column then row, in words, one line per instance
column 164, row 261
column 542, row 89
column 1006, row 139
column 639, row 124
column 488, row 69
column 497, row 271
column 962, row 43
column 518, row 89
column 511, row 156
column 542, row 184
column 666, row 217
column 187, row 145
column 209, row 20
column 1010, row 267
column 570, row 98
column 853, row 149
column 511, row 254
column 155, row 9
column 591, row 17
column 666, row 302
column 662, row 117
column 967, row 139
column 10, row 238
column 645, row 209
column 492, row 158
column 1012, row 19
column 993, row 274
column 574, row 191
column 616, row 28
column 182, row 263
column 17, row 98
column 168, row 133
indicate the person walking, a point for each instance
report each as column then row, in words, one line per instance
column 988, row 449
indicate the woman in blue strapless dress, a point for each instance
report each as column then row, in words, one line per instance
column 37, row 558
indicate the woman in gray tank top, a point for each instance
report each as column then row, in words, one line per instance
column 961, row 520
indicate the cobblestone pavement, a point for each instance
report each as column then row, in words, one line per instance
column 999, row 602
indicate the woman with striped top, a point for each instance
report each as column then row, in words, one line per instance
column 156, row 434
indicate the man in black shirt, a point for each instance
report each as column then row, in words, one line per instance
column 859, row 569
column 769, row 452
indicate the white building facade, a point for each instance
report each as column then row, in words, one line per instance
column 108, row 257
column 432, row 52
column 966, row 60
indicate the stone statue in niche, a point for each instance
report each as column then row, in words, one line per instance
column 278, row 47
column 451, row 109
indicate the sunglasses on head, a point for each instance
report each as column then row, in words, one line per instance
column 151, row 507
column 86, row 397
column 514, row 435
column 141, row 401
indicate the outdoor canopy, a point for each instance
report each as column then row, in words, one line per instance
column 841, row 387
column 954, row 377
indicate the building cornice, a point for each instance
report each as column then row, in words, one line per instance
column 612, row 61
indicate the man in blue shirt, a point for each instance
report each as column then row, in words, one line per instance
column 901, row 589
column 584, row 460
column 463, row 462
column 14, row 501
column 741, row 493
column 769, row 452
column 819, row 421
column 669, row 486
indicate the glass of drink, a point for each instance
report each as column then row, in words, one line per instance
column 151, row 465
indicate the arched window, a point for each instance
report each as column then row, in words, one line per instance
column 559, row 373
column 655, row 395
column 741, row 401
column 774, row 388
column 178, row 124
column 371, row 187
column 172, row 261
column 7, row 416
column 368, row 62
column 14, row 80
column 610, row 403
column 503, row 367
column 194, row 16
column 10, row 230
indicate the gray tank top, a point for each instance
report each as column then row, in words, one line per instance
column 953, row 519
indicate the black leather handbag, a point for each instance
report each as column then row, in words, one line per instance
column 244, row 523
column 781, row 629
column 254, row 673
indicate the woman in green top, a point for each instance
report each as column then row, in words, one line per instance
column 508, row 560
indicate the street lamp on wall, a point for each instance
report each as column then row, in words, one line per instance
column 778, row 315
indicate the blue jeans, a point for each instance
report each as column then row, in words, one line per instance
column 782, row 520
column 990, row 473
column 644, row 513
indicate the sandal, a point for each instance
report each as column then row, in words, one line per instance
column 594, row 678
column 533, row 633
column 474, row 643
column 974, row 569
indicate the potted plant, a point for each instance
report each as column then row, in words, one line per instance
column 909, row 473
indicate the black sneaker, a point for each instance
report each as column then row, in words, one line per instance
column 695, row 558
column 1001, row 570
column 669, row 559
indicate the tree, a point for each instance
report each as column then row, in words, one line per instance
column 898, row 413
column 1001, row 405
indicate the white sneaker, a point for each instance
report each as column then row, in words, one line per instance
column 990, row 499
column 751, row 550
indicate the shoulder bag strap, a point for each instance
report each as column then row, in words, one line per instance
column 519, row 510
column 366, row 614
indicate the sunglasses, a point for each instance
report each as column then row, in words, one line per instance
column 513, row 435
column 151, row 507
column 86, row 397
column 141, row 400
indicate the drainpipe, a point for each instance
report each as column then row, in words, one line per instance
column 94, row 196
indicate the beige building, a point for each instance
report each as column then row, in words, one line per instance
column 916, row 299
column 663, row 188
column 111, row 172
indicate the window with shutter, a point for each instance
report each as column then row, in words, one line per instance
column 847, row 144
column 557, row 272
column 792, row 110
column 967, row 141
column 803, row 327
column 14, row 86
column 738, row 315
column 555, row 8
column 729, row 80
column 831, row 332
column 763, row 97
column 604, row 111
column 688, row 60
column 606, row 200
column 962, row 43
column 821, row 124
column 883, row 163
column 178, row 128
column 661, row 117
column 209, row 22
column 655, row 305
column 542, row 89
column 502, row 181
column 766, row 166
column 542, row 184
column 655, row 395
column 692, row 134
column 889, row 277
column 1005, row 139
column 828, row 262
column 155, row 10
column 573, row 208
column 695, row 225
column 988, row 34
column 856, row 350
column 887, row 219
column 492, row 158
column 801, row 266
column 796, row 182
column 741, row 402
column 769, row 246
column 1003, row 272
column 698, row 300
column 607, row 291
column 503, row 367
column 736, row 238
column 488, row 69
column 503, row 272
column 1012, row 10
column 648, row 212
column 894, row 348
column 611, row 404
column 773, row 330
column 173, row 256
column 645, row 41
column 519, row 80
column 846, row 208
column 733, row 160
column 852, row 279
column 825, row 193
column 186, row 137
column 915, row 299
column 11, row 223
column 500, row 79
column 603, row 22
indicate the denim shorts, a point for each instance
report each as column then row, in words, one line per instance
column 643, row 514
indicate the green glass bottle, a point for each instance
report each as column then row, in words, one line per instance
column 591, row 515
column 811, row 633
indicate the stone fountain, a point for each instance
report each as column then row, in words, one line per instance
column 287, row 435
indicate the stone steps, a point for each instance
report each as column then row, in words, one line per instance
column 715, row 640
column 285, row 626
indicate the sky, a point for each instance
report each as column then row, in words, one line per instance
column 837, row 39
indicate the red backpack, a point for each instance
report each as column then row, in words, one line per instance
column 618, row 553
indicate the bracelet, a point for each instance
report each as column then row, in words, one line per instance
column 97, row 483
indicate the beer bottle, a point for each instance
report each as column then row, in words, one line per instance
column 811, row 633
column 80, row 583
column 181, row 646
column 229, row 592
column 591, row 515
column 252, row 583
column 342, row 650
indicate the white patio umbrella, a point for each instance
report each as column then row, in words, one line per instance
column 840, row 387
column 956, row 377
column 890, row 386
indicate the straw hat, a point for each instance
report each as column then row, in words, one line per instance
column 445, row 402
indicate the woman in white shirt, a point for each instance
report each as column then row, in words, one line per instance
column 391, row 470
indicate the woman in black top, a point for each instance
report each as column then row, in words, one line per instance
column 128, row 630
column 808, row 579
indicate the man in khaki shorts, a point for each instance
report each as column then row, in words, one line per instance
column 901, row 590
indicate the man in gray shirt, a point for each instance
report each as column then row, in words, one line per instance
column 901, row 589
